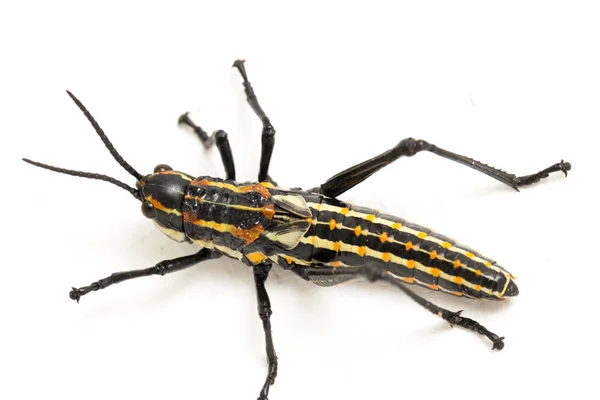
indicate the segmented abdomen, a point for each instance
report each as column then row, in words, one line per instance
column 344, row 235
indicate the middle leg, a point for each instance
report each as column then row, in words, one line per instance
column 268, row 132
column 219, row 137
column 261, row 273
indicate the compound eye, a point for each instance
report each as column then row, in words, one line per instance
column 148, row 210
column 162, row 168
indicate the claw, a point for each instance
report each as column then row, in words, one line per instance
column 184, row 119
column 498, row 343
column 565, row 166
column 237, row 63
column 75, row 294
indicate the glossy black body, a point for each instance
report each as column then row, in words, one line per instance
column 310, row 233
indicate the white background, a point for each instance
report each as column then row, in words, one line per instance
column 514, row 84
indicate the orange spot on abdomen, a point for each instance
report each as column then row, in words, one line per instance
column 357, row 230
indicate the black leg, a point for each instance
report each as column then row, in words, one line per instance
column 325, row 274
column 349, row 178
column 268, row 132
column 453, row 318
column 261, row 272
column 162, row 268
column 219, row 137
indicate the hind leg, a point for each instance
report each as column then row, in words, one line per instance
column 327, row 276
column 352, row 176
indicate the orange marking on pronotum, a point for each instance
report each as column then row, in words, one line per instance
column 332, row 224
column 249, row 235
column 264, row 192
column 258, row 188
column 267, row 184
column 189, row 216
column 256, row 257
column 203, row 182
column 269, row 211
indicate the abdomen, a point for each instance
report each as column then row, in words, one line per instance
column 344, row 235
